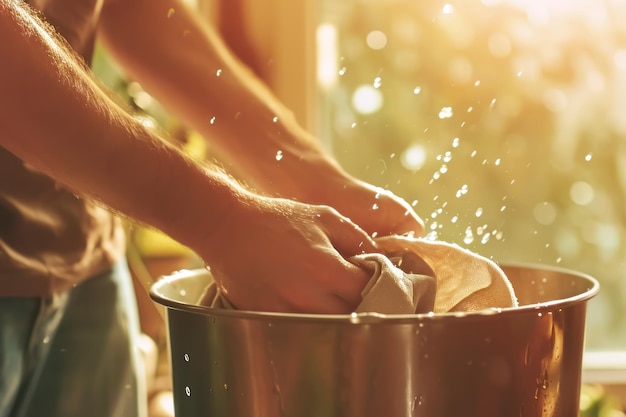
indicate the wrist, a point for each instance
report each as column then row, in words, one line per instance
column 203, row 199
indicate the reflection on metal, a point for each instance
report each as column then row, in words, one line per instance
column 509, row 362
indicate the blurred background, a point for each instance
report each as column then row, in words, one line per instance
column 502, row 121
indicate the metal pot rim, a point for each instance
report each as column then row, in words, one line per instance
column 369, row 318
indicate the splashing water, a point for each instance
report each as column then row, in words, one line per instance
column 462, row 191
column 445, row 113
column 469, row 236
column 448, row 9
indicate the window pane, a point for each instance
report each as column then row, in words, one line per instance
column 503, row 121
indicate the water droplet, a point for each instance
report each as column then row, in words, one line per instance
column 170, row 12
column 433, row 235
column 275, row 119
column 416, row 401
column 414, row 203
column 374, row 206
column 476, row 83
column 377, row 82
column 212, row 121
column 469, row 236
column 445, row 112
column 354, row 317
column 479, row 212
column 454, row 219
column 485, row 238
column 279, row 155
column 417, row 90
column 226, row 386
column 497, row 162
column 455, row 142
column 218, row 72
column 186, row 356
column 46, row 339
column 342, row 71
column 188, row 391
column 448, row 9
column 502, row 208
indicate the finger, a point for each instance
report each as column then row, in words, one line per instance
column 348, row 238
column 412, row 224
column 351, row 285
column 405, row 220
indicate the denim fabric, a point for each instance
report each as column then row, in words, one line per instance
column 74, row 355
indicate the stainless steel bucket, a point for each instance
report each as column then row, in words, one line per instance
column 506, row 363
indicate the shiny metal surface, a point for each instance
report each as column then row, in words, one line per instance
column 507, row 363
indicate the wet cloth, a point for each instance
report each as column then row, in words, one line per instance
column 416, row 275
column 73, row 354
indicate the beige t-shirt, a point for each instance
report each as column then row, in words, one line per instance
column 50, row 239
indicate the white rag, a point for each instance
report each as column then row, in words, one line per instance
column 417, row 275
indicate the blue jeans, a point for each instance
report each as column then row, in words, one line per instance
column 75, row 354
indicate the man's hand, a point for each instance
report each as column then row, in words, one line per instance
column 376, row 210
column 279, row 255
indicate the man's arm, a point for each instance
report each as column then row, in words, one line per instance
column 180, row 60
column 56, row 118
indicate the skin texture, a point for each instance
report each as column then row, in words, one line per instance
column 294, row 223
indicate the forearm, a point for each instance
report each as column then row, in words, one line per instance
column 182, row 62
column 57, row 119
